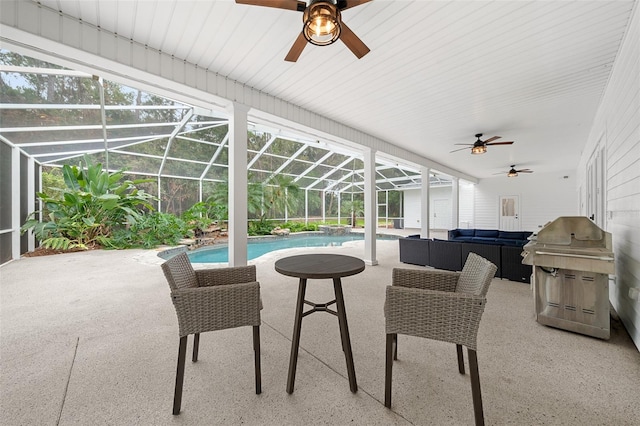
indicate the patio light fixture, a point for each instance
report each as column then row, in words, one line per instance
column 478, row 149
column 321, row 23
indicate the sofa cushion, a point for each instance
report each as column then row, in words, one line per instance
column 485, row 240
column 512, row 243
column 466, row 232
column 486, row 233
column 454, row 236
column 512, row 235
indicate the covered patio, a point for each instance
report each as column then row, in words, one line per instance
column 102, row 350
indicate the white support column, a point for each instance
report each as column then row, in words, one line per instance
column 424, row 202
column 370, row 207
column 159, row 193
column 286, row 209
column 15, row 203
column 238, row 184
column 455, row 202
column 306, row 206
column 324, row 208
column 31, row 200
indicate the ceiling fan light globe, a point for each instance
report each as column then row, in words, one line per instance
column 321, row 23
column 512, row 174
column 481, row 149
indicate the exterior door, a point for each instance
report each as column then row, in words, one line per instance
column 510, row 213
column 441, row 218
column 595, row 185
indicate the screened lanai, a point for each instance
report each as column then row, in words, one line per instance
column 51, row 116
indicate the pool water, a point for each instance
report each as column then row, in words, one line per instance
column 259, row 246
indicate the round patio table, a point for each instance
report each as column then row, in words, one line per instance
column 320, row 266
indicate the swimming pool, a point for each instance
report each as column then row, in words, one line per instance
column 256, row 247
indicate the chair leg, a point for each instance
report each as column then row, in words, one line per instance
column 395, row 347
column 475, row 387
column 256, row 354
column 177, row 396
column 460, row 359
column 389, row 369
column 196, row 345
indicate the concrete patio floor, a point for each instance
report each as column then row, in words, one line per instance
column 92, row 339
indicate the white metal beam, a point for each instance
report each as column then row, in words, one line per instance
column 262, row 150
column 326, row 175
column 424, row 202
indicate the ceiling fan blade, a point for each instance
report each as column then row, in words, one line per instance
column 296, row 49
column 499, row 143
column 456, row 150
column 352, row 41
column 299, row 6
column 468, row 144
column 492, row 139
column 346, row 4
column 524, row 171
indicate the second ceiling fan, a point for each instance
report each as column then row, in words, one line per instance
column 322, row 26
column 513, row 172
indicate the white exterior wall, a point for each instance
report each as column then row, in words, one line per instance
column 543, row 197
column 466, row 205
column 412, row 206
column 616, row 129
column 442, row 196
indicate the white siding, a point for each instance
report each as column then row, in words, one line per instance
column 412, row 206
column 616, row 129
column 543, row 197
column 466, row 205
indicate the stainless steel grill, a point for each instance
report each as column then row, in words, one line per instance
column 572, row 259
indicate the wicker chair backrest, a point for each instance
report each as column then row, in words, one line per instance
column 179, row 272
column 476, row 275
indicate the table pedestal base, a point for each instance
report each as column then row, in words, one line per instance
column 344, row 330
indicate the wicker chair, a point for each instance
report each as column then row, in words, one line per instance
column 212, row 299
column 440, row 305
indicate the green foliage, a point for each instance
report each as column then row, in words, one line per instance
column 201, row 215
column 260, row 227
column 53, row 183
column 264, row 227
column 299, row 226
column 355, row 208
column 264, row 200
column 92, row 205
column 282, row 193
column 151, row 230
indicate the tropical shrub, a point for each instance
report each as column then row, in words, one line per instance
column 150, row 230
column 299, row 226
column 93, row 204
column 201, row 215
column 260, row 227
column 355, row 208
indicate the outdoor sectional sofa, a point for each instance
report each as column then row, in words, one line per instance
column 502, row 248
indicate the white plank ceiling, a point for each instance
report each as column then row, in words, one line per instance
column 438, row 71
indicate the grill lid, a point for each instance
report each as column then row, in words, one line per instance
column 571, row 242
column 575, row 231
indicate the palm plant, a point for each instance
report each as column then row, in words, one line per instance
column 354, row 208
column 281, row 194
column 93, row 204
